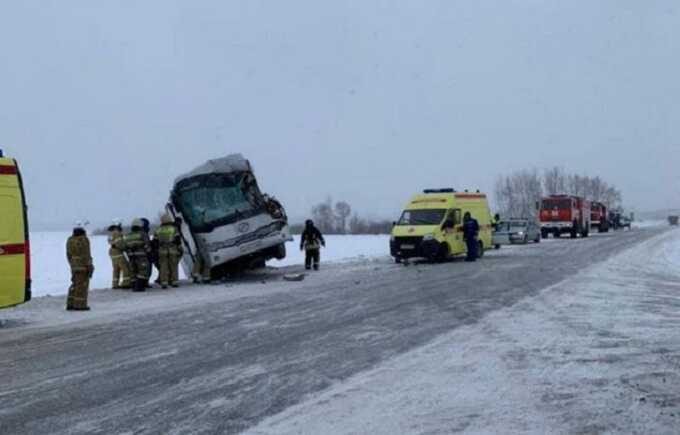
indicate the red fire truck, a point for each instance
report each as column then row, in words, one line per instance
column 560, row 214
column 599, row 217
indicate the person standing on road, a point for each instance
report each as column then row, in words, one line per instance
column 137, row 246
column 311, row 242
column 470, row 234
column 169, row 244
column 121, row 267
column 80, row 260
column 496, row 221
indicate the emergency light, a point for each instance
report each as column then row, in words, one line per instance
column 447, row 190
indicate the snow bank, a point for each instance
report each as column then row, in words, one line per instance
column 50, row 270
column 649, row 223
column 340, row 248
column 51, row 275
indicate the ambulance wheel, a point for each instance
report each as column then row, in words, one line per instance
column 497, row 247
column 444, row 252
column 538, row 239
column 397, row 260
column 480, row 250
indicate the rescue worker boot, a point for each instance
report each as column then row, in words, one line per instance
column 139, row 286
column 78, row 308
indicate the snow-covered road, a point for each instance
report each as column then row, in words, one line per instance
column 596, row 353
column 531, row 339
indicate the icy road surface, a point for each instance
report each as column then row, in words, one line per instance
column 365, row 347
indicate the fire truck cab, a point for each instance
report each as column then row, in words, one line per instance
column 564, row 214
column 599, row 217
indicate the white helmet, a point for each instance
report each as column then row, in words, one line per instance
column 80, row 225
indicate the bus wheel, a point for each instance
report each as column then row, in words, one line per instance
column 280, row 252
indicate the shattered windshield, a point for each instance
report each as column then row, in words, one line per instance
column 422, row 217
column 212, row 200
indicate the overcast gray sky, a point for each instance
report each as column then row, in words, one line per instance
column 105, row 102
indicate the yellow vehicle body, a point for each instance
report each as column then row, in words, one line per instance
column 15, row 267
column 431, row 225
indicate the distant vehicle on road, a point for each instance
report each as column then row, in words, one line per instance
column 228, row 224
column 599, row 217
column 564, row 214
column 15, row 257
column 674, row 220
column 513, row 231
column 619, row 221
column 431, row 225
column 626, row 222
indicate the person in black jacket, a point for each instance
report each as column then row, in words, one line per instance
column 470, row 234
column 311, row 242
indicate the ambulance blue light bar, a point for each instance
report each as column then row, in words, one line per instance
column 448, row 190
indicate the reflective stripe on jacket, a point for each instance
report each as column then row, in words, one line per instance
column 116, row 243
column 137, row 243
column 78, row 253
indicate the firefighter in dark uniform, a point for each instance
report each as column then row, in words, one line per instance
column 311, row 242
column 80, row 259
column 470, row 234
column 138, row 246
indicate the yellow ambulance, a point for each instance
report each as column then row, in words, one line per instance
column 431, row 225
column 15, row 263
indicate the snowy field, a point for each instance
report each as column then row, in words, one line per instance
column 649, row 223
column 51, row 275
